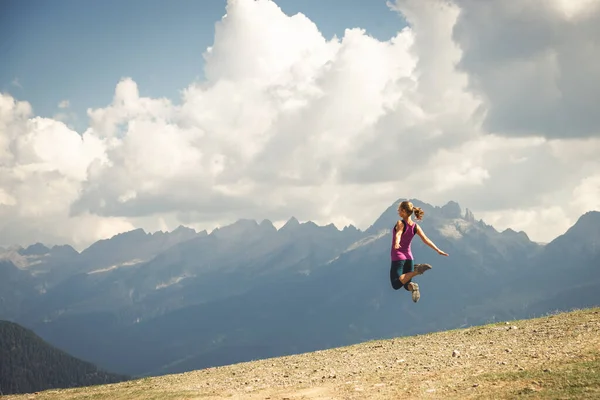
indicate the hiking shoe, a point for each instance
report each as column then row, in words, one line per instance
column 416, row 295
column 420, row 268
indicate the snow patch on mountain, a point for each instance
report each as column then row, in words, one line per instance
column 113, row 267
column 364, row 242
column 14, row 257
column 367, row 240
column 450, row 231
column 173, row 281
column 455, row 228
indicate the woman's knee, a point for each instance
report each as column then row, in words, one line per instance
column 397, row 284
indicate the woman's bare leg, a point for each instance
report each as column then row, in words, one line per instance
column 407, row 276
column 412, row 286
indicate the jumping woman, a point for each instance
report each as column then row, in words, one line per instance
column 403, row 268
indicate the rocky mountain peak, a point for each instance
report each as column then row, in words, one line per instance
column 291, row 223
column 37, row 249
column 451, row 210
column 469, row 216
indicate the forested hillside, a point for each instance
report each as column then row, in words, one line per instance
column 29, row 364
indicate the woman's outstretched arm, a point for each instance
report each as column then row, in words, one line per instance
column 428, row 241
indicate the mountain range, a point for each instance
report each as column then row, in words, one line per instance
column 151, row 304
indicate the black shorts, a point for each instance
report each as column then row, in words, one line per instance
column 397, row 268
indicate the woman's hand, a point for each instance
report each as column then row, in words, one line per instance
column 441, row 253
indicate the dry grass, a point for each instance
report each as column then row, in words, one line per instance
column 557, row 356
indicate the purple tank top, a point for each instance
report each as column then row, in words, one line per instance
column 404, row 252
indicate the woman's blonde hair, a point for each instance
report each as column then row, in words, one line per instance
column 409, row 208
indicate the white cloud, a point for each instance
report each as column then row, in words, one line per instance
column 535, row 64
column 290, row 123
column 574, row 8
column 42, row 165
column 66, row 116
column 586, row 196
column 535, row 222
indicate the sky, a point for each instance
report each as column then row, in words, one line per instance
column 74, row 51
column 120, row 115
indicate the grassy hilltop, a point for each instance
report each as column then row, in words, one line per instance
column 557, row 356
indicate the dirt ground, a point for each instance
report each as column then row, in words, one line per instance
column 490, row 361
